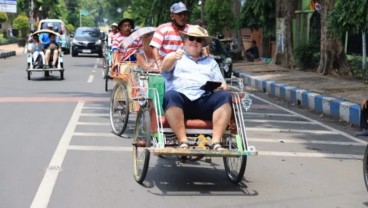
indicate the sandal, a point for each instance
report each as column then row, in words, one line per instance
column 184, row 145
column 217, row 146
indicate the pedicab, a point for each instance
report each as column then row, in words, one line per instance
column 152, row 133
column 125, row 80
column 37, row 65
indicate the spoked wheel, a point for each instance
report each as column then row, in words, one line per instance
column 119, row 109
column 141, row 139
column 235, row 166
column 365, row 167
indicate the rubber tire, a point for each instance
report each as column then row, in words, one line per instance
column 47, row 73
column 124, row 118
column 237, row 177
column 142, row 125
column 106, row 84
column 28, row 75
column 74, row 53
column 241, row 165
column 365, row 167
column 61, row 74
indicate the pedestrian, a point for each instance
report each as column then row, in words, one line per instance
column 112, row 34
column 363, row 118
column 166, row 38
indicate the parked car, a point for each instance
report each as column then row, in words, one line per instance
column 222, row 57
column 59, row 27
column 88, row 40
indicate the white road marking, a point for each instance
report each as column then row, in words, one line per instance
column 317, row 122
column 94, row 123
column 90, row 78
column 46, row 187
column 96, row 107
column 268, row 114
column 308, row 154
column 95, row 114
column 94, row 134
column 278, row 121
column 260, row 153
column 294, row 141
column 291, row 130
column 100, row 148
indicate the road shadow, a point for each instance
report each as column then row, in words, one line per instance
column 173, row 178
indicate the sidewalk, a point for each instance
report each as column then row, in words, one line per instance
column 10, row 50
column 332, row 96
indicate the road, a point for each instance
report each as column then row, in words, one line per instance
column 57, row 150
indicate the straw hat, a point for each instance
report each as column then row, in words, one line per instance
column 197, row 31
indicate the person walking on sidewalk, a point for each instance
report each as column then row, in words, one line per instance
column 363, row 118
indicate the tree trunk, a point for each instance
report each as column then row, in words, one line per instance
column 333, row 58
column 284, row 49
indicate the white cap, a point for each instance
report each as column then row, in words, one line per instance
column 114, row 24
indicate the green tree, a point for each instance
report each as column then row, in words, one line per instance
column 219, row 15
column 21, row 23
column 3, row 17
column 350, row 15
column 259, row 14
column 70, row 27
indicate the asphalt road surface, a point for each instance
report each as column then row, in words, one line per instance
column 57, row 150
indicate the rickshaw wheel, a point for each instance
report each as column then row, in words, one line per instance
column 47, row 73
column 235, row 166
column 119, row 109
column 141, row 140
column 61, row 75
column 365, row 167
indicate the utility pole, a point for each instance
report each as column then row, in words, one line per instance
column 31, row 15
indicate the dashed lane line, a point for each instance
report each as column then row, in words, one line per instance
column 294, row 141
column 309, row 119
column 46, row 187
column 90, row 78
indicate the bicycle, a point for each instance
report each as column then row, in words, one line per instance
column 106, row 66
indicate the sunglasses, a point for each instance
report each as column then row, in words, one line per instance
column 199, row 40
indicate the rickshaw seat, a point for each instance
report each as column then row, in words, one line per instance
column 191, row 123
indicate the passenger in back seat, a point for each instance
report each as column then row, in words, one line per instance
column 185, row 71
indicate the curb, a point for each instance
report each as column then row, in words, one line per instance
column 334, row 107
column 7, row 54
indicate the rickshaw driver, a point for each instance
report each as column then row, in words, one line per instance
column 185, row 71
column 166, row 38
column 45, row 37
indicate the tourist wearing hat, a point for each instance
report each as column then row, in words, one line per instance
column 125, row 27
column 112, row 34
column 166, row 38
column 185, row 72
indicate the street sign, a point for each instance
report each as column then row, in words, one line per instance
column 84, row 12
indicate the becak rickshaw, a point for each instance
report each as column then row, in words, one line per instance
column 44, row 58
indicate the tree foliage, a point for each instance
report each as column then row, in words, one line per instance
column 348, row 15
column 219, row 15
column 259, row 14
column 21, row 23
column 3, row 17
